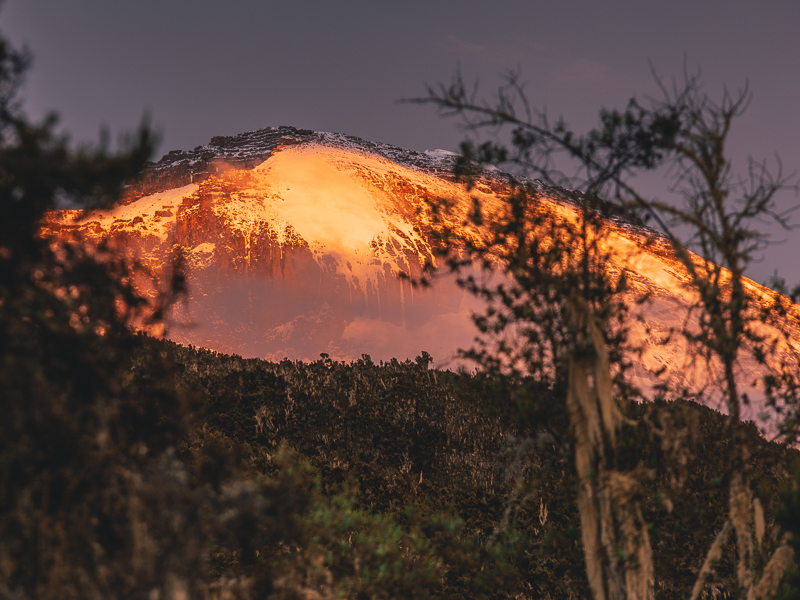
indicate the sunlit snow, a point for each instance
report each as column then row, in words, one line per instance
column 303, row 251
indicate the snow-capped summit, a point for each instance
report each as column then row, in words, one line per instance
column 294, row 240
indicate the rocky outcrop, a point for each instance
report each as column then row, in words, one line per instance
column 178, row 168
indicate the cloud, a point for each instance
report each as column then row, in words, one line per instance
column 560, row 67
column 584, row 70
column 500, row 54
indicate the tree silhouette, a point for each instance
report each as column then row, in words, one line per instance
column 687, row 131
column 99, row 494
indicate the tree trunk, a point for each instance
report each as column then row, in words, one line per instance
column 619, row 560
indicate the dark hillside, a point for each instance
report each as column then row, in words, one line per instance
column 416, row 443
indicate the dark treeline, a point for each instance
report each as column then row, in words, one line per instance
column 413, row 443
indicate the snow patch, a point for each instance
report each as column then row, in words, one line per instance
column 160, row 210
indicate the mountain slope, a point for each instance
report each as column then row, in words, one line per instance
column 294, row 240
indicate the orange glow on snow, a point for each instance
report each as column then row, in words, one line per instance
column 301, row 255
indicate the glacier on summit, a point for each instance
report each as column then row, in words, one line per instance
column 294, row 241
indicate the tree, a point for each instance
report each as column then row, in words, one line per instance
column 101, row 492
column 687, row 131
column 555, row 322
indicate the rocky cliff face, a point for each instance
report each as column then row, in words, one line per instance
column 294, row 240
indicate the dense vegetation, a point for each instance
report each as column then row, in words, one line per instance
column 408, row 447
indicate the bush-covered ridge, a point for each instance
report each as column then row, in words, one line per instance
column 398, row 445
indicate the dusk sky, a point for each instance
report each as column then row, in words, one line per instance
column 206, row 68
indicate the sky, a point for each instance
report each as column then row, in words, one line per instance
column 202, row 68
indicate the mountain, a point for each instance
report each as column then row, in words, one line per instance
column 294, row 241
